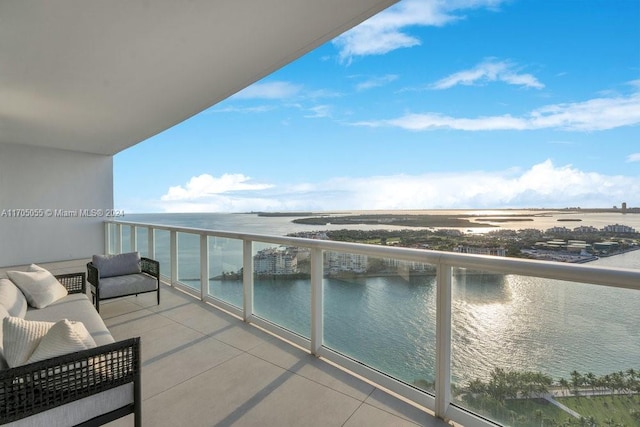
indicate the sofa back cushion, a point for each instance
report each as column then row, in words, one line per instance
column 38, row 285
column 117, row 265
column 12, row 299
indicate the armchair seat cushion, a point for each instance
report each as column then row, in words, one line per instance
column 127, row 285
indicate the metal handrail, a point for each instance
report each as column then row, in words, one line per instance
column 582, row 273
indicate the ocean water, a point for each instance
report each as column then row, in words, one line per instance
column 507, row 321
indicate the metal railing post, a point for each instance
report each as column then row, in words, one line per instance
column 118, row 248
column 133, row 231
column 317, row 314
column 247, row 279
column 443, row 340
column 107, row 237
column 151, row 242
column 204, row 266
column 173, row 243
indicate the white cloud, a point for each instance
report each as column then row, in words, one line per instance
column 387, row 31
column 635, row 157
column 490, row 70
column 269, row 90
column 205, row 185
column 543, row 184
column 592, row 115
column 319, row 111
column 376, row 82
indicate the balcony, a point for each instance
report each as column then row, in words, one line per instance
column 532, row 316
column 203, row 366
column 229, row 353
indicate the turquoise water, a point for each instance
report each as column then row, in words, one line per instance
column 388, row 323
column 513, row 322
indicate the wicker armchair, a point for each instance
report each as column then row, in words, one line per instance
column 103, row 288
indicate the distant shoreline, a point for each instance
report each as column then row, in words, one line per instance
column 434, row 220
column 534, row 211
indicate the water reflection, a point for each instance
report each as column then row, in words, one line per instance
column 480, row 287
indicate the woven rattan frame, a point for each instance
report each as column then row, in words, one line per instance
column 74, row 282
column 30, row 389
column 147, row 265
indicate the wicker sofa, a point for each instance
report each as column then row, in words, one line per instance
column 87, row 387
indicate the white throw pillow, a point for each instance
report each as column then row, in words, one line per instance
column 64, row 337
column 21, row 337
column 12, row 298
column 3, row 313
column 36, row 267
column 40, row 287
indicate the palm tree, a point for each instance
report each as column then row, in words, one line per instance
column 617, row 381
column 564, row 384
column 632, row 381
column 591, row 379
column 606, row 381
column 576, row 381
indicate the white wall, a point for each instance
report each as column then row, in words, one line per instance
column 46, row 180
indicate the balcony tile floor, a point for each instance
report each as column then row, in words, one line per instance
column 205, row 367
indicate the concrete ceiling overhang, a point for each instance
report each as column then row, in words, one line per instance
column 99, row 76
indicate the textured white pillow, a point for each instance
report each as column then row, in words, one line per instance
column 21, row 337
column 40, row 287
column 3, row 313
column 64, row 337
column 35, row 267
column 12, row 298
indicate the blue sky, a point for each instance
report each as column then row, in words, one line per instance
column 470, row 104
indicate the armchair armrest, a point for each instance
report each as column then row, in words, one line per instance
column 93, row 275
column 150, row 266
column 74, row 282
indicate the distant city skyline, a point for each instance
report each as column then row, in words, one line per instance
column 473, row 104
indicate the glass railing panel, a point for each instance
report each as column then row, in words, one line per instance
column 189, row 259
column 382, row 313
column 521, row 343
column 142, row 239
column 112, row 238
column 282, row 286
column 162, row 249
column 126, row 239
column 225, row 270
